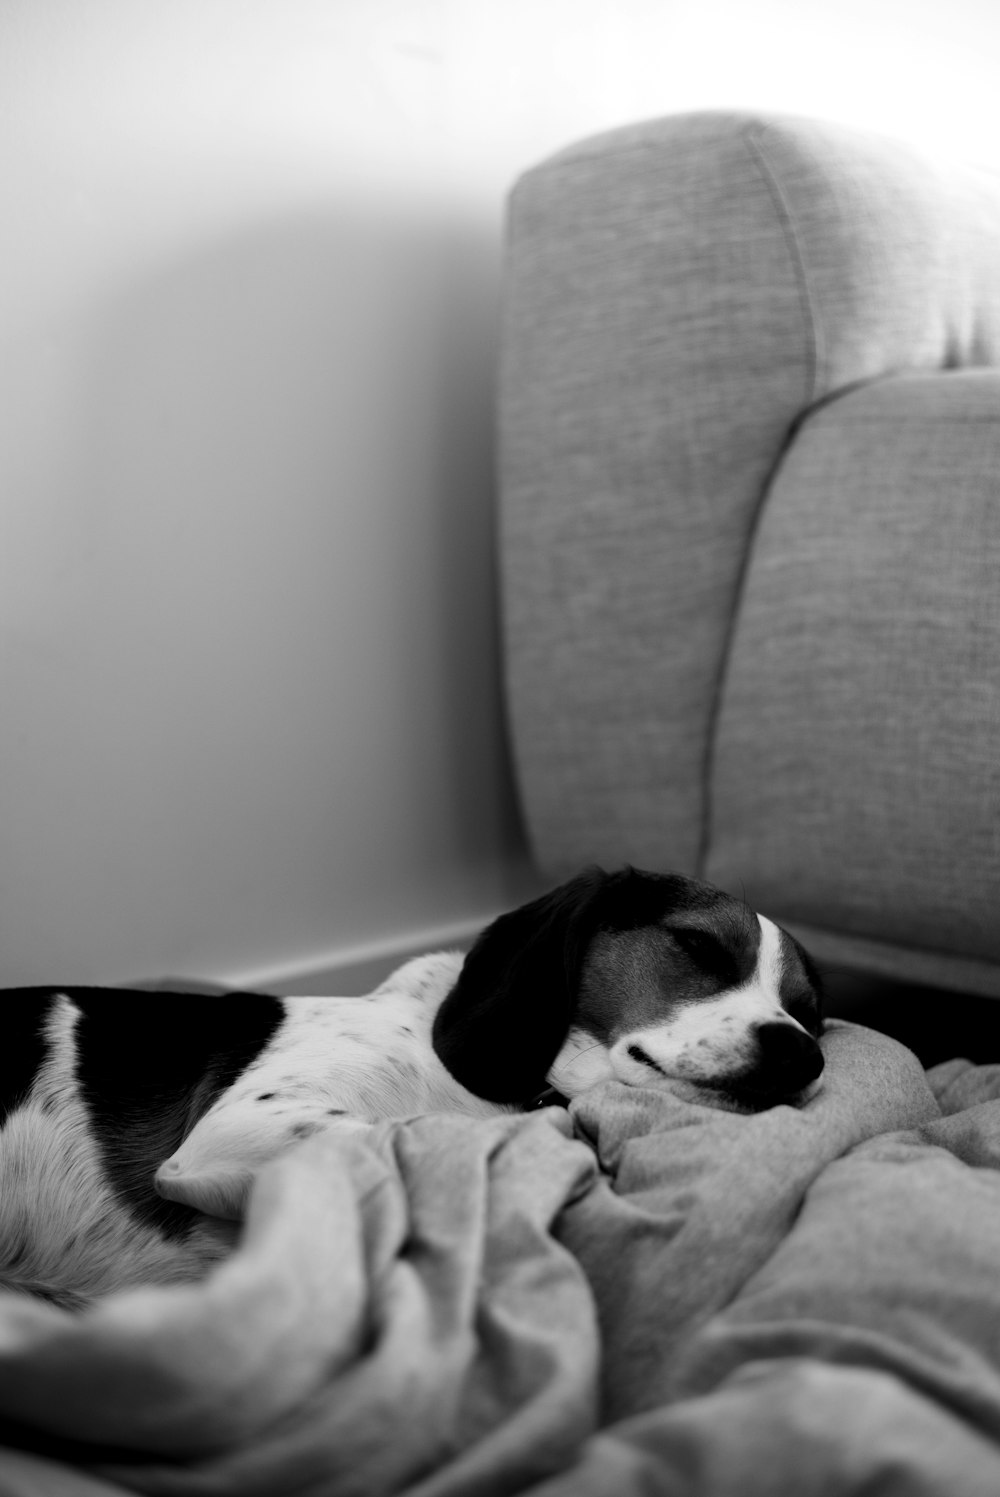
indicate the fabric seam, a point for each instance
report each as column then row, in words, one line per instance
column 749, row 136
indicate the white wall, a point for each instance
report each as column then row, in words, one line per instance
column 248, row 262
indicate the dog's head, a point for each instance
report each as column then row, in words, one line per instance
column 637, row 976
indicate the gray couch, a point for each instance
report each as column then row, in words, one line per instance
column 750, row 472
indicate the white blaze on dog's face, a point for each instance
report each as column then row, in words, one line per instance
column 722, row 1005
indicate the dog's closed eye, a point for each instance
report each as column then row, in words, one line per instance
column 707, row 950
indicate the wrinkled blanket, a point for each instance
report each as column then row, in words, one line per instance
column 641, row 1295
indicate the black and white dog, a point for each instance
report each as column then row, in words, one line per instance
column 132, row 1123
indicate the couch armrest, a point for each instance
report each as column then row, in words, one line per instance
column 680, row 295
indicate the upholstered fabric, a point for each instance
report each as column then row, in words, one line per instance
column 687, row 302
column 652, row 368
column 857, row 756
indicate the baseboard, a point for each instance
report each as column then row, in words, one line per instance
column 355, row 969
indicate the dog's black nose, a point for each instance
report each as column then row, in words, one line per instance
column 788, row 1059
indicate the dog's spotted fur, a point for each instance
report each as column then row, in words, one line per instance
column 69, row 1230
column 321, row 1065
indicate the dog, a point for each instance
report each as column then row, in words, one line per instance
column 132, row 1124
column 639, row 977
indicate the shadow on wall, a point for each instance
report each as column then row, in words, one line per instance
column 254, row 660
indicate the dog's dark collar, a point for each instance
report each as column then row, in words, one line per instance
column 548, row 1098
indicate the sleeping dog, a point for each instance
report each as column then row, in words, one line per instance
column 133, row 1123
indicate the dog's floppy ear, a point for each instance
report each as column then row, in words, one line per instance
column 505, row 1020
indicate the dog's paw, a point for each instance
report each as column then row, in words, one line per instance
column 215, row 1167
column 221, row 1192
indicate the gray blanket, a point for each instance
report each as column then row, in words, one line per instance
column 643, row 1296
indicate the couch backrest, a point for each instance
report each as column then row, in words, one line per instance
column 684, row 298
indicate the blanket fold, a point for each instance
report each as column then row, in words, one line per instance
column 397, row 1300
column 696, row 1200
column 648, row 1295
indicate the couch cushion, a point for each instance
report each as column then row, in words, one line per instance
column 856, row 782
